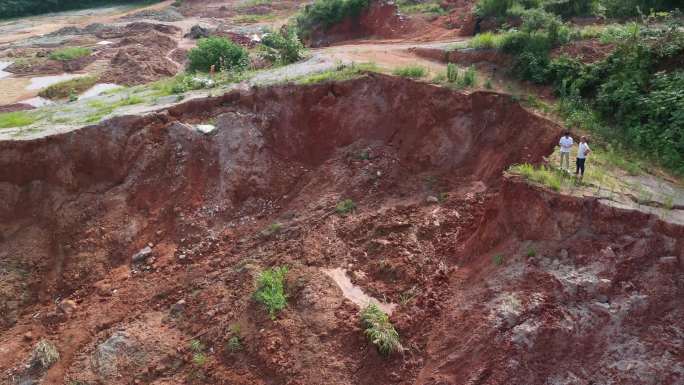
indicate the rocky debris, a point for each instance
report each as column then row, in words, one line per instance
column 432, row 199
column 137, row 64
column 118, row 351
column 206, row 128
column 43, row 356
column 197, row 32
column 142, row 255
column 150, row 39
column 68, row 307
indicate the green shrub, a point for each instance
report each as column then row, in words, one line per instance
column 345, row 207
column 498, row 260
column 379, row 330
column 219, row 52
column 412, row 71
column 271, row 290
column 44, row 355
column 67, row 88
column 326, row 13
column 281, row 47
column 69, row 53
column 499, row 8
column 570, row 8
column 627, row 8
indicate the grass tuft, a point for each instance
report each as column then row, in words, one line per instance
column 271, row 290
column 69, row 53
column 345, row 207
column 412, row 71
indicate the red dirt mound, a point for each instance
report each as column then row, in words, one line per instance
column 380, row 19
column 138, row 65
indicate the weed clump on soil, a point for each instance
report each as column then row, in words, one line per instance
column 412, row 71
column 234, row 343
column 379, row 330
column 69, row 53
column 66, row 89
column 345, row 207
column 272, row 229
column 17, row 119
column 271, row 290
column 219, row 53
column 498, row 260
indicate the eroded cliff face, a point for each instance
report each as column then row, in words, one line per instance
column 75, row 208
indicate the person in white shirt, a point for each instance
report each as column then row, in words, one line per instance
column 565, row 144
column 582, row 153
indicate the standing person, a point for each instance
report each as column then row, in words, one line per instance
column 565, row 144
column 582, row 153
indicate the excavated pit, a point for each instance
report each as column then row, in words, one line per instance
column 75, row 207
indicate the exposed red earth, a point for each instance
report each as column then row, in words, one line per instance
column 599, row 300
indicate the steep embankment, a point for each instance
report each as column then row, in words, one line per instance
column 77, row 206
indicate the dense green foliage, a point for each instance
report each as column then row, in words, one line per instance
column 326, row 13
column 635, row 96
column 380, row 330
column 571, row 8
column 219, row 52
column 282, row 48
column 271, row 289
column 16, row 8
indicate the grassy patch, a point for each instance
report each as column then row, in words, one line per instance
column 68, row 88
column 70, row 53
column 342, row 72
column 345, row 207
column 17, row 119
column 544, row 175
column 409, row 7
column 103, row 109
column 379, row 330
column 271, row 290
column 487, row 40
column 412, row 71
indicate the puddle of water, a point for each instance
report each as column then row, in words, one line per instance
column 41, row 82
column 355, row 293
column 37, row 102
column 97, row 89
column 3, row 65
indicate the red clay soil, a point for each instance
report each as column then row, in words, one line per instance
column 381, row 19
column 596, row 303
column 465, row 56
column 586, row 51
